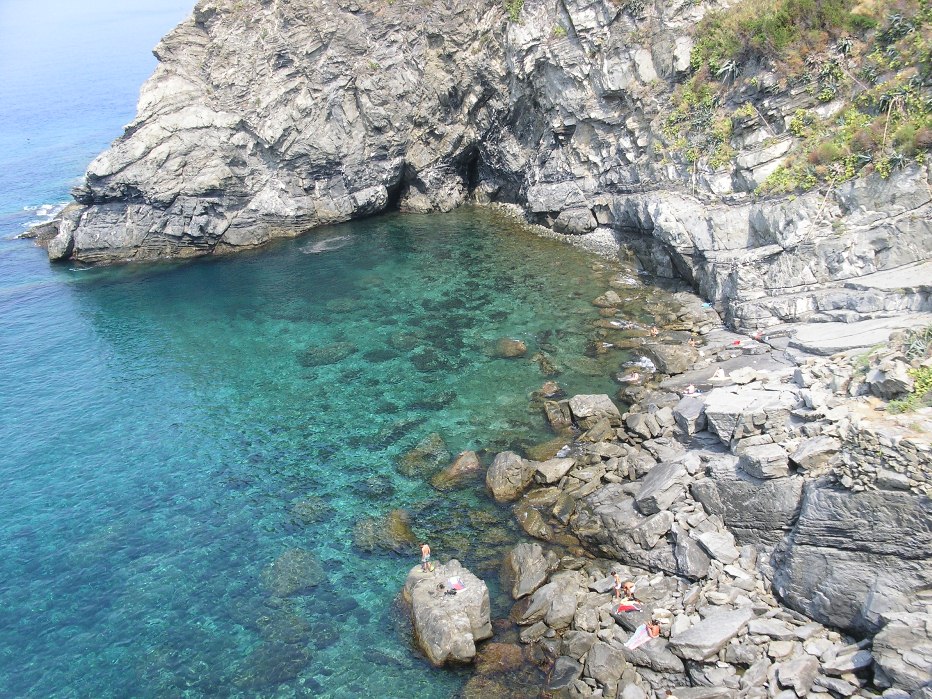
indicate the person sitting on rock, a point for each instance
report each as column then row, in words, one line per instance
column 653, row 628
column 628, row 602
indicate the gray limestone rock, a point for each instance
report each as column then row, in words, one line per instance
column 719, row 545
column 565, row 672
column 589, row 409
column 609, row 523
column 706, row 638
column 661, row 487
column 756, row 511
column 447, row 627
column 552, row 470
column 530, row 567
column 577, row 643
column 798, row 673
column 774, row 628
column 765, row 461
column 689, row 414
column 605, row 663
column 902, row 650
column 691, row 560
column 813, row 452
column 890, row 379
column 508, row 475
column 854, row 557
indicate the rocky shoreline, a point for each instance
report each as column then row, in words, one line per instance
column 775, row 521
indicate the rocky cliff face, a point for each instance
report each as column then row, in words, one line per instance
column 268, row 117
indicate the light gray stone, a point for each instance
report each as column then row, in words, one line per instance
column 706, row 638
column 765, row 461
column 509, row 475
column 798, row 673
column 719, row 545
column 902, row 650
column 530, row 567
column 661, row 487
column 589, row 409
column 552, row 470
column 605, row 663
column 447, row 627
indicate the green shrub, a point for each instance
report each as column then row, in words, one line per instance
column 513, row 8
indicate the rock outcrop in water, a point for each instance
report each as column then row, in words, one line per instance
column 449, row 619
column 265, row 119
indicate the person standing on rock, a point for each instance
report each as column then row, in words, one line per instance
column 425, row 558
column 617, row 584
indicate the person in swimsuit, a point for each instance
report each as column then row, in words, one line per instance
column 425, row 557
column 617, row 584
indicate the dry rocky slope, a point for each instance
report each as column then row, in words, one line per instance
column 267, row 118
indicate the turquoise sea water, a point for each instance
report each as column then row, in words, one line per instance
column 168, row 432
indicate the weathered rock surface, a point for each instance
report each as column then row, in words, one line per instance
column 508, row 475
column 903, row 650
column 707, row 637
column 849, row 559
column 447, row 627
column 265, row 120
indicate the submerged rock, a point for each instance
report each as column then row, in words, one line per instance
column 390, row 533
column 426, row 458
column 294, row 572
column 465, row 464
column 510, row 348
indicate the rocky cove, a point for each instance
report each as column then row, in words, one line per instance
column 736, row 492
column 780, row 538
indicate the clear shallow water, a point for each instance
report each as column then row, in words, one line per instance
column 161, row 424
column 169, row 431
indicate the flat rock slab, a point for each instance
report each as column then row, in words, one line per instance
column 447, row 627
column 588, row 409
column 829, row 338
column 710, row 635
column 915, row 276
column 720, row 546
column 553, row 470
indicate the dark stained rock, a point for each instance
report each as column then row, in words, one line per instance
column 325, row 354
column 849, row 559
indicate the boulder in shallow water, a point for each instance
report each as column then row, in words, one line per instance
column 294, row 572
column 464, row 465
column 508, row 475
column 426, row 458
column 448, row 626
column 529, row 566
column 510, row 348
column 390, row 533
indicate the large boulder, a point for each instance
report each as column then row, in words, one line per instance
column 529, row 567
column 391, row 532
column 661, row 487
column 447, row 626
column 508, row 475
column 609, row 523
column 755, row 511
column 587, row 410
column 854, row 557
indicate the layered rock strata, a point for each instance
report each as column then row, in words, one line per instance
column 265, row 119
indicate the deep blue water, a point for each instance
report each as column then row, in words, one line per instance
column 168, row 431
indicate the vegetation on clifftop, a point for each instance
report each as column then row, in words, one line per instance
column 863, row 70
